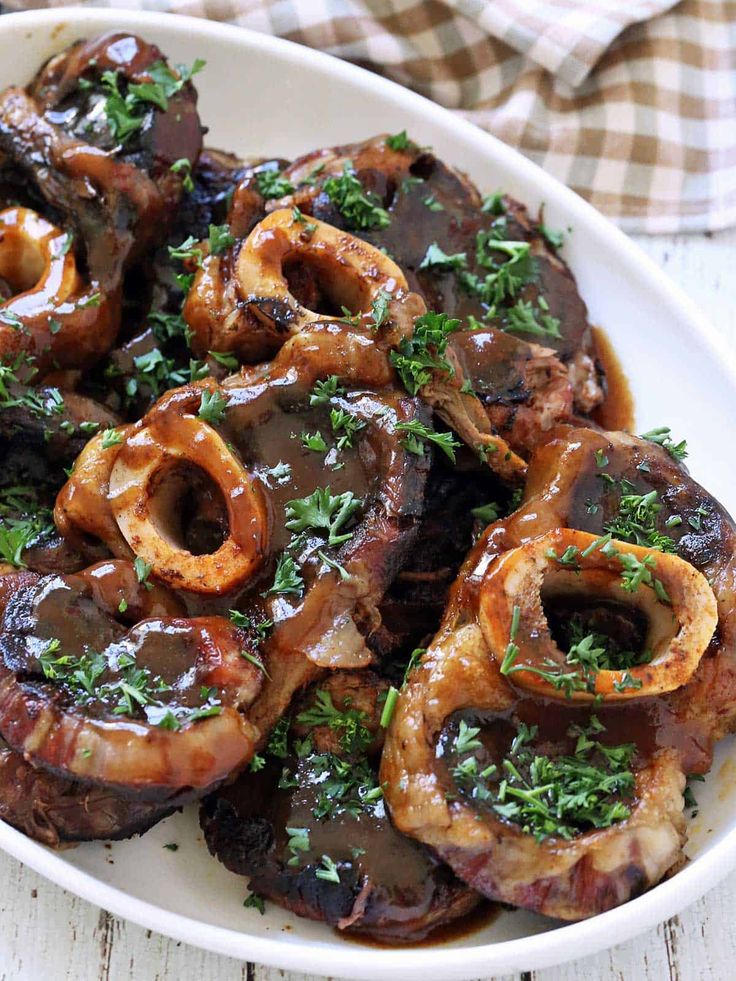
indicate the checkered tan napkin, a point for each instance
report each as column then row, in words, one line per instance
column 632, row 103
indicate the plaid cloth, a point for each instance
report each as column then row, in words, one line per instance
column 632, row 103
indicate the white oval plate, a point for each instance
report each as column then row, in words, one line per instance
column 265, row 96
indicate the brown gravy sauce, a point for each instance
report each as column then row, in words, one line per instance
column 617, row 411
column 484, row 914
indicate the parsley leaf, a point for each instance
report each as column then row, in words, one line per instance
column 360, row 209
column 271, row 184
column 419, row 434
column 399, row 141
column 346, row 424
column 324, row 390
column 325, row 512
column 184, row 167
column 220, row 239
column 436, row 258
column 418, row 356
column 212, row 407
column 663, row 436
column 287, row 578
column 522, row 319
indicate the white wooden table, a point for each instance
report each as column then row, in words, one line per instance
column 48, row 935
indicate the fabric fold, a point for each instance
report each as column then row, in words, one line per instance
column 565, row 37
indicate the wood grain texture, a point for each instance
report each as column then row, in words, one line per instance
column 48, row 935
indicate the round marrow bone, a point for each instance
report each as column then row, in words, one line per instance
column 323, row 618
column 678, row 634
column 352, row 272
column 53, row 315
column 142, row 506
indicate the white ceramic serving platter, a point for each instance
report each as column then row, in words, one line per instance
column 264, row 96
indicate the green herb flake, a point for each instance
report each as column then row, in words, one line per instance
column 212, row 407
column 220, row 239
column 360, row 209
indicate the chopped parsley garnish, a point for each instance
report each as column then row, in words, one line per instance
column 15, row 536
column 399, row 141
column 635, row 572
column 130, row 690
column 493, row 204
column 22, row 521
column 228, row 361
column 298, row 842
column 281, row 472
column 345, row 426
column 328, row 870
column 432, row 203
column 419, row 356
column 125, row 113
column 245, row 622
column 360, row 209
column 487, row 513
column 326, row 389
column 324, row 512
column 11, row 319
column 184, row 167
column 379, row 309
column 355, row 738
column 314, row 442
column 188, row 251
column 663, row 437
column 167, row 326
column 158, row 373
column 111, row 437
column 436, row 258
column 418, row 434
column 588, row 654
column 564, row 796
column 142, row 572
column 272, row 184
column 278, row 740
column 47, row 401
column 256, row 661
column 220, row 239
column 696, row 520
column 465, row 741
column 568, row 558
column 551, row 796
column 287, row 578
column 552, row 238
column 254, row 901
column 509, row 266
column 392, row 695
column 636, row 520
column 212, row 407
column 522, row 319
column 389, row 707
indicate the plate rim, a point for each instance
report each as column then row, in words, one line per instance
column 336, row 957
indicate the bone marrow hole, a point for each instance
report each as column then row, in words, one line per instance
column 623, row 630
column 188, row 509
column 321, row 285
